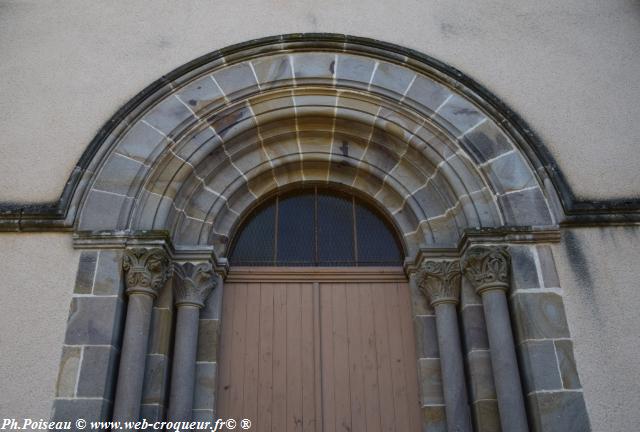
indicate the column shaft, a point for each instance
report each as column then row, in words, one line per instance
column 503, row 362
column 451, row 364
column 132, row 359
column 184, row 364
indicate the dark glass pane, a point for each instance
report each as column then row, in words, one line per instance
column 335, row 230
column 255, row 243
column 376, row 242
column 295, row 230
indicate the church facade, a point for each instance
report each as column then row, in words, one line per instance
column 315, row 231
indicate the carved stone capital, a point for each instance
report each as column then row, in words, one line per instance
column 439, row 281
column 146, row 270
column 487, row 268
column 194, row 283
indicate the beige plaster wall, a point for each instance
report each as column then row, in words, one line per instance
column 37, row 274
column 570, row 68
column 599, row 271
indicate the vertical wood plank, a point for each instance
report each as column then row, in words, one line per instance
column 341, row 360
column 326, row 335
column 369, row 360
column 355, row 345
column 279, row 395
column 226, row 345
column 265, row 367
column 251, row 354
column 385, row 389
column 239, row 335
column 409, row 348
column 294, row 359
column 317, row 358
column 308, row 358
column 396, row 355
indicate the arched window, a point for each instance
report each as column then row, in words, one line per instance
column 315, row 227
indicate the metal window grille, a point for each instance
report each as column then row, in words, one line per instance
column 315, row 227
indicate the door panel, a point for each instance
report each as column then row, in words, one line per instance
column 318, row 353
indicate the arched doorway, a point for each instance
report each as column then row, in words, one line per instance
column 316, row 327
column 161, row 191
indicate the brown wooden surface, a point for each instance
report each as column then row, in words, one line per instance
column 321, row 353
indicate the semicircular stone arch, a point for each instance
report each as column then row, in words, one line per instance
column 203, row 149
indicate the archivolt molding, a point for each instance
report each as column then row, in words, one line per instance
column 199, row 147
column 223, row 137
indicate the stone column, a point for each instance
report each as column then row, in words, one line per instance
column 439, row 281
column 146, row 271
column 487, row 268
column 192, row 286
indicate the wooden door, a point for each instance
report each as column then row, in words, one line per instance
column 318, row 350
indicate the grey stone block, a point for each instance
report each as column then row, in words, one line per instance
column 523, row 268
column 236, row 80
column 434, row 419
column 213, row 304
column 558, row 412
column 161, row 331
column 200, row 94
column 141, row 143
column 313, row 65
column 527, row 207
column 486, row 142
column 272, row 70
column 68, row 371
column 152, row 412
column 94, row 321
column 156, row 380
column 567, row 362
column 119, row 174
column 539, row 316
column 103, row 211
column 430, row 381
column 392, row 78
column 461, row 113
column 205, row 387
column 167, row 114
column 486, row 417
column 474, row 329
column 203, row 415
column 354, row 69
column 426, row 337
column 539, row 366
column 419, row 303
column 509, row 173
column 98, row 372
column 208, row 340
column 481, row 376
column 108, row 279
column 86, row 269
column 468, row 294
column 428, row 93
column 547, row 263
column 87, row 409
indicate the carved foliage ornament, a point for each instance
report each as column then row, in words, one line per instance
column 439, row 281
column 146, row 270
column 487, row 267
column 194, row 283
